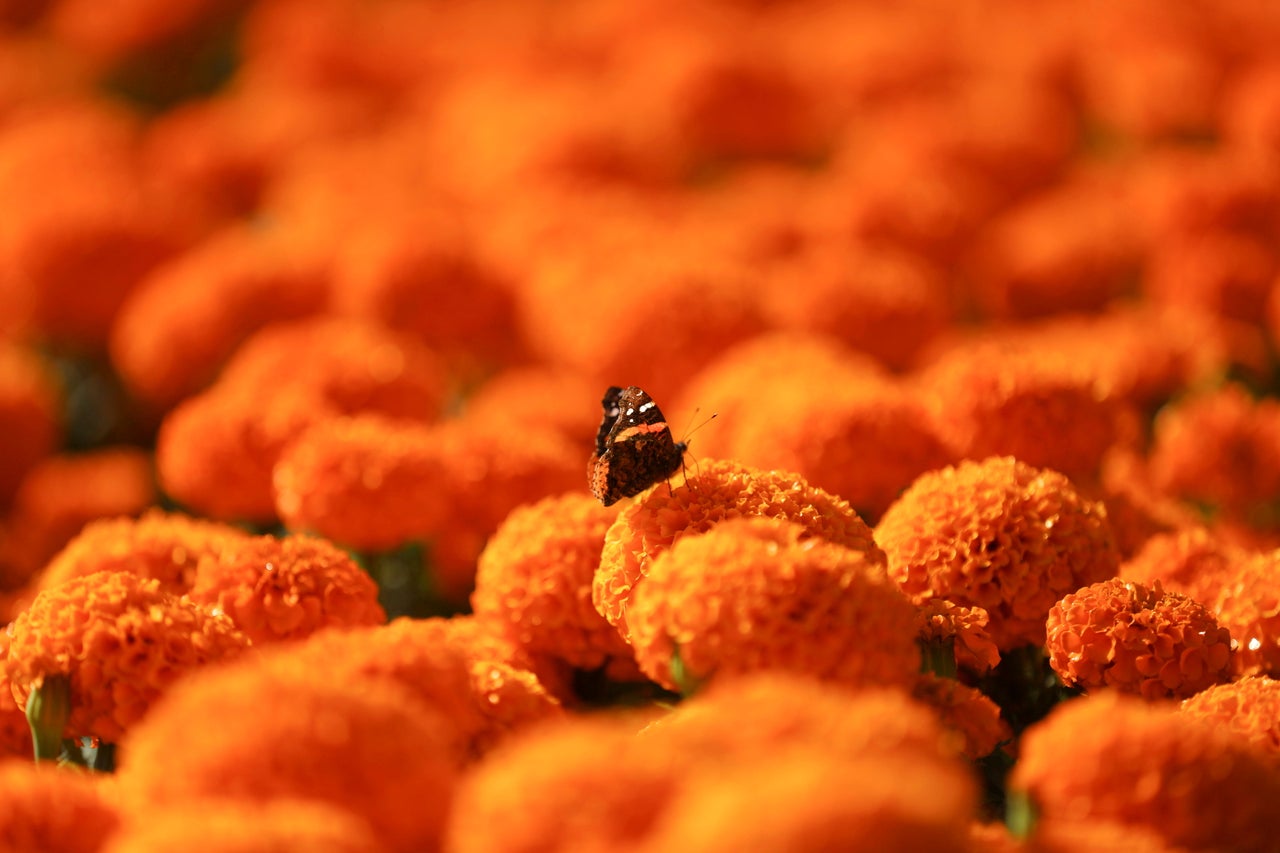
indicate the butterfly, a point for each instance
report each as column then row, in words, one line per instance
column 634, row 448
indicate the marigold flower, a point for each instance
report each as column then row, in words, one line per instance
column 1056, row 836
column 120, row 640
column 1221, row 448
column 1250, row 115
column 30, row 415
column 444, row 663
column 1138, row 639
column 1192, row 560
column 160, row 546
column 595, row 312
column 568, row 402
column 1249, row 707
column 877, row 300
column 216, row 451
column 53, row 809
column 1111, row 757
column 63, row 493
column 1137, row 510
column 140, row 26
column 355, row 366
column 1223, row 274
column 267, row 735
column 1000, row 535
column 228, row 826
column 15, row 731
column 756, row 593
column 967, row 711
column 1042, row 410
column 286, row 589
column 1248, row 605
column 965, row 628
column 716, row 491
column 182, row 322
column 534, row 578
column 101, row 222
column 368, row 482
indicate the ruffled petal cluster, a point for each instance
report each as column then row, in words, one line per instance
column 1137, row 639
column 1247, row 603
column 1112, row 757
column 715, row 490
column 967, row 711
column 120, row 640
column 366, row 747
column 760, row 593
column 1248, row 707
column 1000, row 535
column 534, row 579
column 964, row 628
column 286, row 589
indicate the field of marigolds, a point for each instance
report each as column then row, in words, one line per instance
column 968, row 313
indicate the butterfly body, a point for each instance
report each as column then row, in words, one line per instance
column 634, row 447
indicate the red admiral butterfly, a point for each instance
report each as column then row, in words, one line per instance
column 634, row 448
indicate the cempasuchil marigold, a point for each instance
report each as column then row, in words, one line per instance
column 1000, row 535
column 759, row 593
column 54, row 809
column 120, row 640
column 1138, row 639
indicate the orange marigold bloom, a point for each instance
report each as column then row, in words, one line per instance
column 1219, row 273
column 228, row 826
column 444, row 663
column 216, row 451
column 1192, row 560
column 160, row 546
column 30, row 415
column 63, row 493
column 1138, row 639
column 717, row 490
column 967, row 711
column 1221, row 448
column 286, row 589
column 1000, row 535
column 1136, row 509
column 1112, row 757
column 15, row 731
column 53, row 809
column 878, row 300
column 1249, row 707
column 353, row 365
column 1040, row 408
column 368, row 482
column 534, row 578
column 182, row 322
column 1247, row 603
column 755, row 593
column 568, row 402
column 267, row 735
column 965, row 628
column 120, row 640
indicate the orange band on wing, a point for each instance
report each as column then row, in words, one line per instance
column 640, row 429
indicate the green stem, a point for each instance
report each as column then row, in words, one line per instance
column 48, row 710
column 686, row 681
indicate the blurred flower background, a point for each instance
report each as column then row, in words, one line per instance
column 306, row 311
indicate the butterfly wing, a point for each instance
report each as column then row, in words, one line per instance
column 638, row 450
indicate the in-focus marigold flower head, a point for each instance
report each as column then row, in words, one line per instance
column 451, row 668
column 30, row 414
column 165, row 547
column 1138, row 639
column 226, row 826
column 964, row 628
column 1220, row 447
column 760, row 593
column 63, row 493
column 216, row 451
column 53, row 809
column 1000, row 535
column 287, row 589
column 715, row 490
column 1113, row 757
column 1248, row 605
column 267, row 735
column 1039, row 408
column 354, row 365
column 534, row 578
column 120, row 640
column 183, row 320
column 367, row 482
